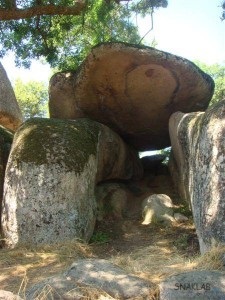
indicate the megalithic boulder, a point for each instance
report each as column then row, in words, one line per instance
column 10, row 114
column 131, row 89
column 53, row 167
column 198, row 145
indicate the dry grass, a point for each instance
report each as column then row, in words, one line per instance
column 87, row 292
column 212, row 260
column 154, row 260
column 156, row 263
column 19, row 264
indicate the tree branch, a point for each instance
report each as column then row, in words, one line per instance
column 152, row 25
column 40, row 10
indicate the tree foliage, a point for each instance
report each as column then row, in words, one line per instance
column 223, row 12
column 64, row 40
column 217, row 72
column 32, row 98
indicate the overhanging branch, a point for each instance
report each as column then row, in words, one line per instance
column 40, row 10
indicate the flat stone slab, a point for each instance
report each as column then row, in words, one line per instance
column 195, row 285
column 94, row 273
column 132, row 89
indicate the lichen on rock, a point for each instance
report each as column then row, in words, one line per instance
column 51, row 175
column 133, row 89
column 198, row 146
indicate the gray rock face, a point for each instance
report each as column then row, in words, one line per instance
column 51, row 175
column 194, row 285
column 180, row 218
column 6, row 138
column 5, row 295
column 93, row 273
column 58, row 288
column 133, row 90
column 111, row 200
column 10, row 114
column 198, row 146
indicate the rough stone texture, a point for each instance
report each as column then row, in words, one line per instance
column 178, row 177
column 103, row 274
column 111, row 200
column 10, row 114
column 110, row 278
column 133, row 90
column 6, row 138
column 196, row 285
column 157, row 208
column 198, row 145
column 180, row 218
column 5, row 295
column 51, row 175
column 58, row 288
column 93, row 273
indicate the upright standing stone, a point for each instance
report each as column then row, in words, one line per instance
column 6, row 138
column 198, row 145
column 51, row 175
column 10, row 114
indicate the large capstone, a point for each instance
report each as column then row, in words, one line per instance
column 133, row 90
column 198, row 168
column 10, row 114
column 53, row 167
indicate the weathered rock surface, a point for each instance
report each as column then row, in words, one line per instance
column 177, row 176
column 199, row 152
column 58, row 288
column 111, row 200
column 133, row 90
column 6, row 138
column 157, row 208
column 6, row 295
column 95, row 273
column 194, row 285
column 180, row 218
column 51, row 175
column 10, row 114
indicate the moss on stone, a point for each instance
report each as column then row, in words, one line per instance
column 64, row 142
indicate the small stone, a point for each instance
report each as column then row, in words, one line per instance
column 180, row 218
column 157, row 208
